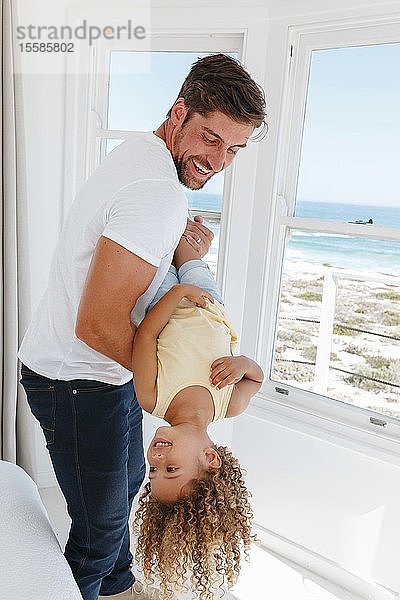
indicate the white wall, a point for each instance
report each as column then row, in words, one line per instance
column 44, row 110
column 322, row 495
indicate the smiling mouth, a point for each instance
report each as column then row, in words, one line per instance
column 200, row 169
column 161, row 443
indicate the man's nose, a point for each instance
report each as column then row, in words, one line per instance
column 217, row 159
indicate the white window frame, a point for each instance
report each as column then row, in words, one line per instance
column 311, row 412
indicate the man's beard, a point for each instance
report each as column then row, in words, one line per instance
column 183, row 170
column 186, row 177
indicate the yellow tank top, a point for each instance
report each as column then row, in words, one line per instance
column 187, row 346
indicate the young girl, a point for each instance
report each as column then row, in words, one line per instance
column 194, row 514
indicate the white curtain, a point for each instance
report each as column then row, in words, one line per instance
column 16, row 424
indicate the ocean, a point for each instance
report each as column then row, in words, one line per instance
column 349, row 252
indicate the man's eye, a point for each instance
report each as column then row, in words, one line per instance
column 171, row 469
column 210, row 141
column 152, row 469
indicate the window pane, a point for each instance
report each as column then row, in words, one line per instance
column 338, row 329
column 350, row 159
column 209, row 205
column 111, row 144
column 140, row 101
column 345, row 251
column 387, row 216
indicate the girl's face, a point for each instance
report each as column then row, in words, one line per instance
column 176, row 458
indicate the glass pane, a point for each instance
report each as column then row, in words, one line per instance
column 209, row 205
column 338, row 330
column 111, row 144
column 345, row 251
column 215, row 225
column 140, row 101
column 350, row 159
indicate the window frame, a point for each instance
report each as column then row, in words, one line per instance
column 310, row 411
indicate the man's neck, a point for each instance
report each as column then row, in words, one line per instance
column 165, row 133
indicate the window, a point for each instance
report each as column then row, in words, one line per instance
column 138, row 99
column 337, row 238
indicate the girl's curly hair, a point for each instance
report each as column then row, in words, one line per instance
column 203, row 534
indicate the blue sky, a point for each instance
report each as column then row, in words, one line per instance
column 142, row 101
column 351, row 141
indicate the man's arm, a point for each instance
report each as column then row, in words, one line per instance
column 144, row 357
column 115, row 280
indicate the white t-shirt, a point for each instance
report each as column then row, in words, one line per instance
column 135, row 199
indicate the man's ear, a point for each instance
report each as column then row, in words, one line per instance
column 213, row 458
column 178, row 112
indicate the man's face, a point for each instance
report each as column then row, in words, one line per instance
column 206, row 145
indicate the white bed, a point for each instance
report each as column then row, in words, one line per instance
column 32, row 565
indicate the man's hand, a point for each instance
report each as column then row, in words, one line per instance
column 228, row 370
column 198, row 236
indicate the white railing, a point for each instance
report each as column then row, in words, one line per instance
column 329, row 294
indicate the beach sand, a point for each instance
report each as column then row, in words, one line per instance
column 369, row 305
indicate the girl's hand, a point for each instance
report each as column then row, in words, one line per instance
column 228, row 370
column 197, row 295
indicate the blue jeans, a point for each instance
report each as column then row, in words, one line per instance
column 193, row 272
column 93, row 432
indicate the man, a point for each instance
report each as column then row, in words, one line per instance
column 114, row 251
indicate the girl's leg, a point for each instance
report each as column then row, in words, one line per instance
column 170, row 280
column 194, row 271
column 197, row 272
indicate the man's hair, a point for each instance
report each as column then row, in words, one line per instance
column 200, row 538
column 219, row 83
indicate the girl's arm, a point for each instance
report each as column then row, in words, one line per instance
column 144, row 355
column 244, row 373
